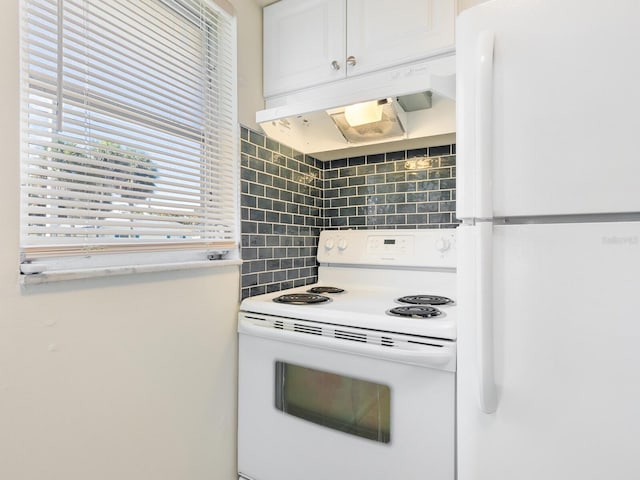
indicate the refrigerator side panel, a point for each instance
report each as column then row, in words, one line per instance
column 471, row 422
column 465, row 118
column 566, row 336
column 565, row 100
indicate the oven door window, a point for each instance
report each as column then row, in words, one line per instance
column 347, row 404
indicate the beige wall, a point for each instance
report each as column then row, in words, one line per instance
column 128, row 378
column 464, row 4
column 250, row 97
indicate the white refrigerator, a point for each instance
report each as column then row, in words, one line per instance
column 548, row 100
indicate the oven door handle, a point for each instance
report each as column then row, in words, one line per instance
column 438, row 356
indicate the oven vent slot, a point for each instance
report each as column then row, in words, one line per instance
column 424, row 343
column 278, row 324
column 386, row 342
column 352, row 336
column 308, row 329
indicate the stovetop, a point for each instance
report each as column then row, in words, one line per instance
column 367, row 307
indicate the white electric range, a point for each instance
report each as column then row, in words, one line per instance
column 360, row 366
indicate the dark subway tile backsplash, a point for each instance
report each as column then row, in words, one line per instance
column 281, row 205
column 287, row 198
column 409, row 189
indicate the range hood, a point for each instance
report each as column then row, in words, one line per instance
column 395, row 107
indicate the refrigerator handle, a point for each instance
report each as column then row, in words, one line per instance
column 484, row 126
column 484, row 217
column 484, row 318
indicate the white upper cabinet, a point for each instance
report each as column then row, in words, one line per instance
column 309, row 42
column 383, row 33
column 304, row 44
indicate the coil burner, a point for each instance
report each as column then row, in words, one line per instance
column 301, row 299
column 325, row 290
column 415, row 311
column 425, row 300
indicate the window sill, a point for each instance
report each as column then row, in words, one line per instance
column 80, row 274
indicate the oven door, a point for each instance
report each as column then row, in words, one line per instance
column 320, row 402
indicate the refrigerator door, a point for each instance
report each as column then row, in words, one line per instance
column 547, row 101
column 564, row 352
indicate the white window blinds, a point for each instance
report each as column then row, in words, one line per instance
column 129, row 133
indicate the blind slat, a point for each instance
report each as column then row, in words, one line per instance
column 70, row 250
column 72, row 207
column 66, row 149
column 171, row 170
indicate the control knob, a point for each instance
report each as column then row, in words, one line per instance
column 329, row 244
column 443, row 244
column 342, row 244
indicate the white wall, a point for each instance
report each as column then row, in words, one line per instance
column 127, row 378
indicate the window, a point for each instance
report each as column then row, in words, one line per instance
column 129, row 135
column 351, row 405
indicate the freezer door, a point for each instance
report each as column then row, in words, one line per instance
column 565, row 353
column 547, row 102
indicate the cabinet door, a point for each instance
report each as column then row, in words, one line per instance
column 382, row 34
column 302, row 40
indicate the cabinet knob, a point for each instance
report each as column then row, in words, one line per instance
column 351, row 61
column 335, row 65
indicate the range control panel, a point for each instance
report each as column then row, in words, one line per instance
column 390, row 246
column 411, row 248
